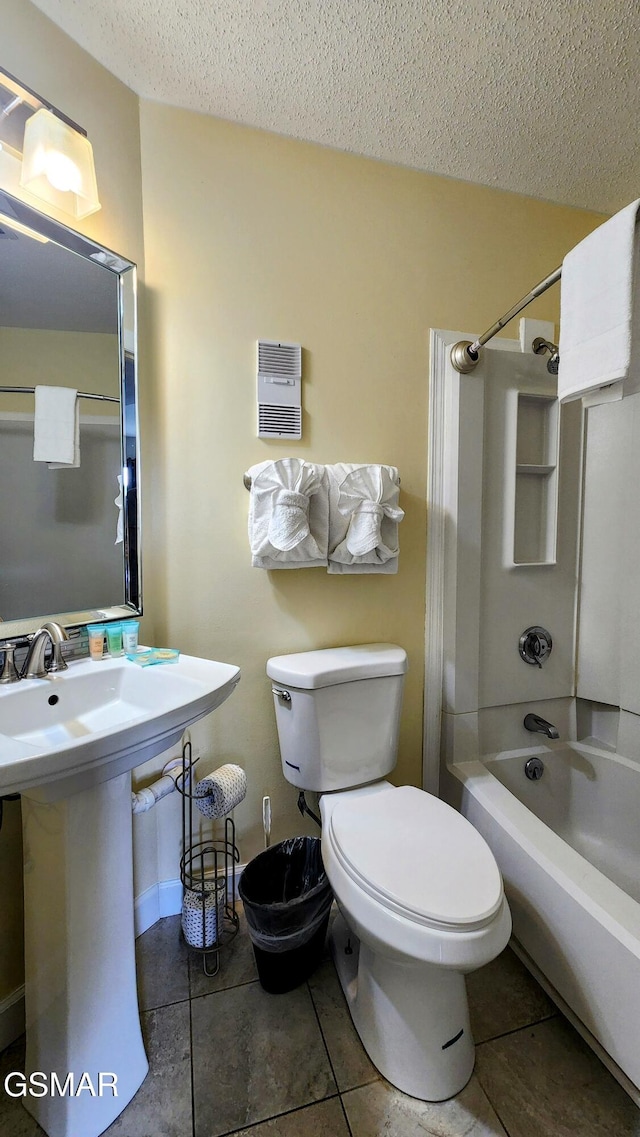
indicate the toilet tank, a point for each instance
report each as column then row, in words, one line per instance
column 338, row 714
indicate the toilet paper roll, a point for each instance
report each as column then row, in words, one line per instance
column 203, row 914
column 219, row 793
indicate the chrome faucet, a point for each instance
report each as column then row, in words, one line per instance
column 540, row 726
column 34, row 666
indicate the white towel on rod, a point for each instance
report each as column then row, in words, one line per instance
column 119, row 504
column 288, row 514
column 56, row 427
column 363, row 518
column 599, row 315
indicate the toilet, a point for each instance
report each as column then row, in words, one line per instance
column 419, row 892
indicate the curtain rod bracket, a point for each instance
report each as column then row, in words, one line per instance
column 462, row 358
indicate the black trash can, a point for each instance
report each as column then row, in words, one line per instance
column 287, row 899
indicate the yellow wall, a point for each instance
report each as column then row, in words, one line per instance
column 86, row 361
column 251, row 235
column 43, row 57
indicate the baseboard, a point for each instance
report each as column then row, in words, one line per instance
column 11, row 1017
column 163, row 899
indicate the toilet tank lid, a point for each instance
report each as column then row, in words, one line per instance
column 328, row 666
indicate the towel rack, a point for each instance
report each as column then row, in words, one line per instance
column 81, row 394
column 246, row 480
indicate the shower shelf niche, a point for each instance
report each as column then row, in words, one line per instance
column 532, row 522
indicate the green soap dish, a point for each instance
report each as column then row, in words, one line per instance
column 146, row 656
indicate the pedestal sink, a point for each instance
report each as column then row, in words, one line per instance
column 68, row 744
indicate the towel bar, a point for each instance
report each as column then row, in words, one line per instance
column 246, row 480
column 81, row 394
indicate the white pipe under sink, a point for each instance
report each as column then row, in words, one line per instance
column 145, row 799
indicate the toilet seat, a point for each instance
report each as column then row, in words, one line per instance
column 418, row 857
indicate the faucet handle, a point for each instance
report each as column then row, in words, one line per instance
column 535, row 645
column 9, row 670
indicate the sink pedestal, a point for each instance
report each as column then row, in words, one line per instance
column 80, row 983
column 68, row 744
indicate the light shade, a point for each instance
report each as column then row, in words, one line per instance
column 57, row 164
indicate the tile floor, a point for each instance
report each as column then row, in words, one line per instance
column 226, row 1058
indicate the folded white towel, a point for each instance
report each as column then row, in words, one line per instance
column 598, row 346
column 56, row 427
column 220, row 792
column 288, row 514
column 363, row 518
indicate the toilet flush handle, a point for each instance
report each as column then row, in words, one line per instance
column 284, row 695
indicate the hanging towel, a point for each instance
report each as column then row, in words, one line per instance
column 56, row 427
column 288, row 514
column 220, row 792
column 363, row 518
column 119, row 504
column 598, row 346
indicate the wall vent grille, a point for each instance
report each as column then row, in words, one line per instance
column 279, row 422
column 279, row 390
column 282, row 360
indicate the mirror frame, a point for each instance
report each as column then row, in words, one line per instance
column 16, row 210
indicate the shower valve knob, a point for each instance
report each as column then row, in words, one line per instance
column 535, row 645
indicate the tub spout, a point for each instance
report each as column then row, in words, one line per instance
column 540, row 726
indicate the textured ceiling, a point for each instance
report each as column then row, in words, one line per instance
column 540, row 97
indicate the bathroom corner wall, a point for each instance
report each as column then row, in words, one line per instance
column 251, row 235
column 39, row 53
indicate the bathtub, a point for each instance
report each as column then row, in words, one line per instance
column 568, row 847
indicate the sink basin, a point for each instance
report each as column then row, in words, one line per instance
column 99, row 719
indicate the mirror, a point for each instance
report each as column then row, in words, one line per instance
column 69, row 550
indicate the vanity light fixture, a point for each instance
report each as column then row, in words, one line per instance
column 55, row 154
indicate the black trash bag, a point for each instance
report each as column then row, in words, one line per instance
column 287, row 899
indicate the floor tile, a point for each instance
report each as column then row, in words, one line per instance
column 504, row 996
column 162, row 965
column 379, row 1109
column 325, row 1119
column 544, row 1080
column 255, row 1055
column 351, row 1065
column 14, row 1119
column 162, row 1105
column 237, row 963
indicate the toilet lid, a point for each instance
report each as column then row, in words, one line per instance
column 417, row 855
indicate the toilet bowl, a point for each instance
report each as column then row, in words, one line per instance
column 422, row 904
column 420, row 894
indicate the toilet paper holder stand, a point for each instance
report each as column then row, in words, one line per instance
column 208, row 876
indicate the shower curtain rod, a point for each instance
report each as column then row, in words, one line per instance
column 81, row 394
column 465, row 355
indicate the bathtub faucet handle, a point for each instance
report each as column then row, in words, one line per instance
column 535, row 645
